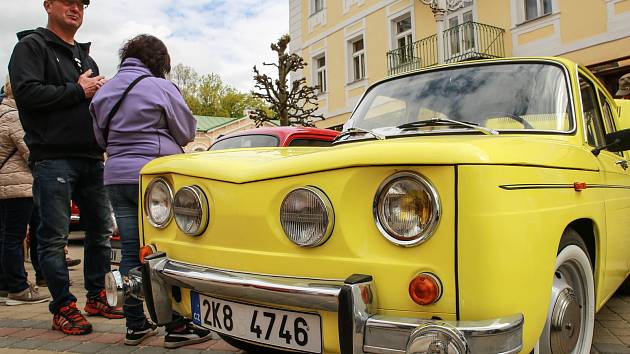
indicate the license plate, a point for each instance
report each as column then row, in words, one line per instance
column 115, row 255
column 279, row 328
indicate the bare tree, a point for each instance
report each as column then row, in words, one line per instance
column 293, row 105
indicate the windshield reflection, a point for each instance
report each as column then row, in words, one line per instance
column 507, row 97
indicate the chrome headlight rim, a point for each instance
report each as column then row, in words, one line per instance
column 147, row 207
column 200, row 198
column 328, row 208
column 436, row 212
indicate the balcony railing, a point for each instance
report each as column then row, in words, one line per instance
column 473, row 40
column 416, row 55
column 468, row 41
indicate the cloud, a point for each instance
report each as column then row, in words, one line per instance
column 227, row 37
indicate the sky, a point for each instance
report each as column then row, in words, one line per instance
column 226, row 37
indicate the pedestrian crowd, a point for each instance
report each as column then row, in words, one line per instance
column 59, row 118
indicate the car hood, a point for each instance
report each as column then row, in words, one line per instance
column 248, row 165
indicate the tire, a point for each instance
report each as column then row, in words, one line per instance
column 572, row 301
column 250, row 348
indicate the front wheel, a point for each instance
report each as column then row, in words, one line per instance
column 571, row 314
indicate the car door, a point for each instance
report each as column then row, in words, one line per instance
column 599, row 120
column 621, row 176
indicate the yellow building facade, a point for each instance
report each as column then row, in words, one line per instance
column 350, row 44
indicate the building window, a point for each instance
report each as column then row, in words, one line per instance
column 404, row 39
column 316, row 6
column 358, row 59
column 537, row 8
column 320, row 74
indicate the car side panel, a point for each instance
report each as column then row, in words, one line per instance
column 511, row 219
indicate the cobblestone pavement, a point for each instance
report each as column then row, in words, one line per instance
column 27, row 329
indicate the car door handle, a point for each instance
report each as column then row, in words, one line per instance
column 622, row 163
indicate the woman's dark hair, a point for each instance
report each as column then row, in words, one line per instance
column 150, row 51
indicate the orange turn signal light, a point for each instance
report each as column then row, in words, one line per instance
column 579, row 186
column 146, row 251
column 425, row 289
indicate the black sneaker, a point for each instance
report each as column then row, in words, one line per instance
column 189, row 334
column 136, row 336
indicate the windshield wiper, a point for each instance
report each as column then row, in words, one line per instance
column 353, row 130
column 446, row 121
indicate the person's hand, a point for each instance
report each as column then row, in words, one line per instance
column 90, row 84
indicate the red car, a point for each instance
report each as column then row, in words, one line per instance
column 276, row 136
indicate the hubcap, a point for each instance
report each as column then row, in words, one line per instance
column 566, row 322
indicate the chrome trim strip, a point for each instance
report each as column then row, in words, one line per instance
column 305, row 293
column 512, row 187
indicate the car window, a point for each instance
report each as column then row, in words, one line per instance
column 310, row 142
column 521, row 96
column 246, row 141
column 385, row 109
column 609, row 121
column 591, row 114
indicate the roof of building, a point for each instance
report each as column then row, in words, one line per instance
column 207, row 123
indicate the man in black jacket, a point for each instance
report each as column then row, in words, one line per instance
column 54, row 79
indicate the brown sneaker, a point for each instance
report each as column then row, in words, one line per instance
column 30, row 295
column 69, row 320
column 98, row 306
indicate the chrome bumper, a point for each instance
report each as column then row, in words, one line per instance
column 361, row 330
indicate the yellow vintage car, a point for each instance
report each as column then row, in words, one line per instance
column 478, row 207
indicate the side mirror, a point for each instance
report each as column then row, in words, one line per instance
column 618, row 141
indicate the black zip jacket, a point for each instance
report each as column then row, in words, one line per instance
column 53, row 108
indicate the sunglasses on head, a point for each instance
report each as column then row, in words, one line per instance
column 69, row 3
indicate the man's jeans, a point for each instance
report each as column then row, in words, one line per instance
column 124, row 199
column 55, row 182
column 14, row 216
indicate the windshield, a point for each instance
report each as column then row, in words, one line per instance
column 246, row 141
column 517, row 97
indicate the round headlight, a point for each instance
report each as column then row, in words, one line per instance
column 307, row 217
column 158, row 201
column 191, row 210
column 406, row 209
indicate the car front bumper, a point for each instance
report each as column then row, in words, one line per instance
column 361, row 329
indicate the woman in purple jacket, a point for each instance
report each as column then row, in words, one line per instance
column 138, row 115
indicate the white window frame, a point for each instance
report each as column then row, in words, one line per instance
column 408, row 33
column 361, row 56
column 316, row 18
column 540, row 8
column 313, row 6
column 395, row 36
column 317, row 71
column 461, row 35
